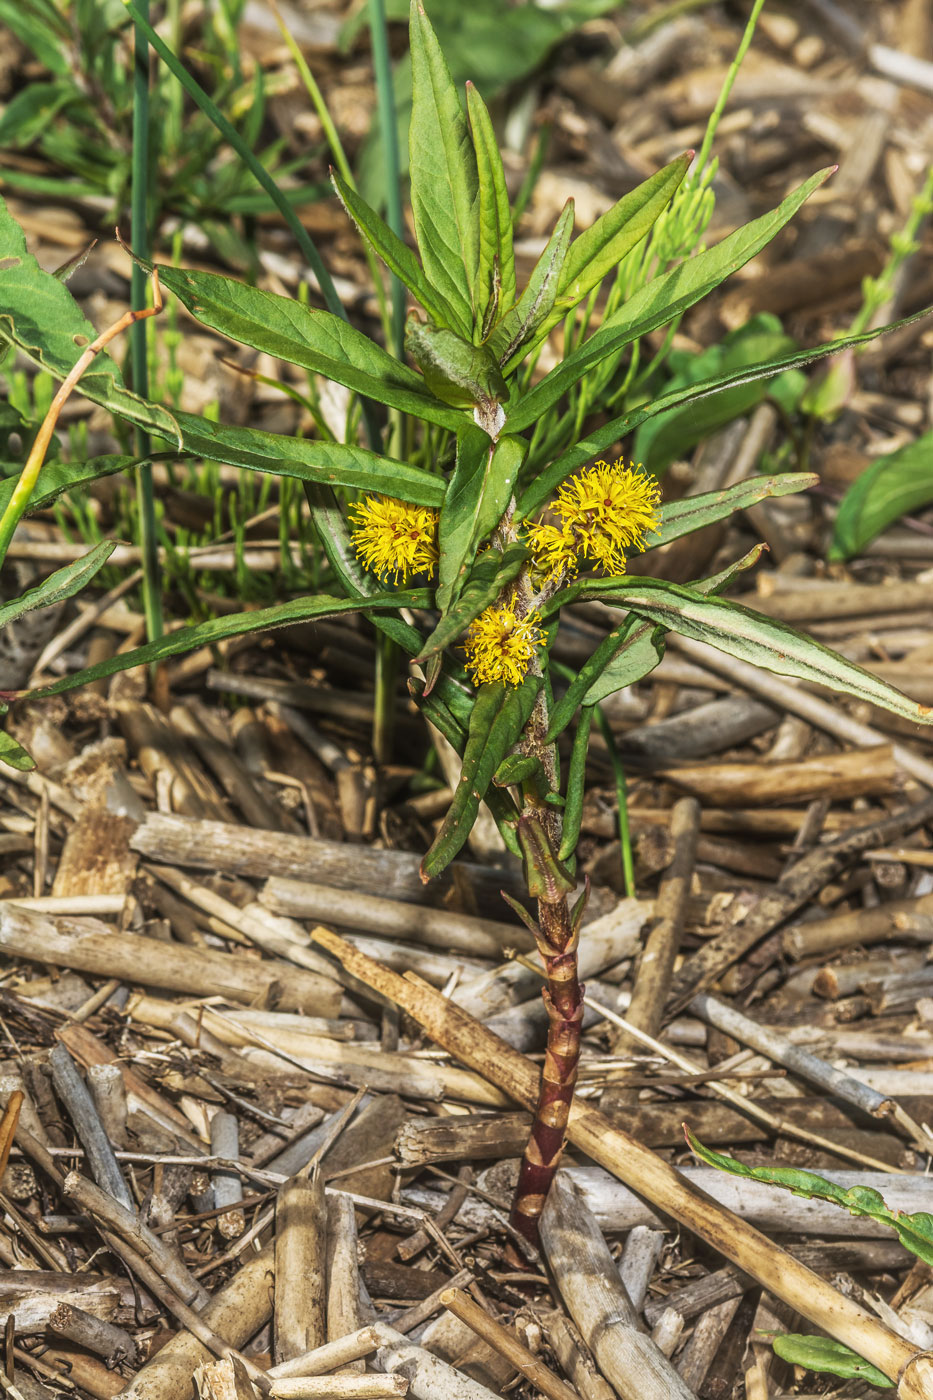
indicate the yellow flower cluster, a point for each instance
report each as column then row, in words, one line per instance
column 603, row 511
column 500, row 646
column 392, row 537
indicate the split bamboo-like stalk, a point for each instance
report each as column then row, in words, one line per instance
column 236, row 1312
column 507, row 1344
column 589, row 1281
column 339, row 1387
column 636, row 1165
column 300, row 1264
column 428, row 1377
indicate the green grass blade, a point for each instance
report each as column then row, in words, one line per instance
column 139, row 213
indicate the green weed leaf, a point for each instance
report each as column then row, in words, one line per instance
column 915, row 1232
column 456, row 371
column 660, row 302
column 315, row 340
column 495, row 283
column 601, row 247
column 551, row 477
column 217, row 629
column 536, row 302
column 40, row 317
column 499, row 714
column 444, row 181
column 831, row 1357
column 398, row 257
column 488, row 576
column 894, row 485
column 682, row 517
column 477, row 495
column 14, row 755
column 629, row 653
column 746, row 635
column 64, row 583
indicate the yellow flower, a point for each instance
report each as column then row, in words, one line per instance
column 500, row 646
column 393, row 537
column 603, row 511
column 553, row 548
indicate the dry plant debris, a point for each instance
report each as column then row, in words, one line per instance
column 244, row 1153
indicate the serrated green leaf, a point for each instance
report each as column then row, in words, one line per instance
column 915, row 1231
column 398, row 257
column 478, row 493
column 830, row 1357
column 601, row 247
column 499, row 714
column 894, row 485
column 496, row 276
column 14, row 755
column 217, row 629
column 679, row 518
column 491, row 572
column 456, row 371
column 658, row 303
column 548, row 480
column 313, row 339
column 536, row 302
column 750, row 636
column 64, row 583
column 444, row 181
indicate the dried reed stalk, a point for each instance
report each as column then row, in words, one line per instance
column 638, row 1167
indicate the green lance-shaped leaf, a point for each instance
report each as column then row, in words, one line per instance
column 64, row 583
column 478, row 493
column 829, row 1356
column 691, row 513
column 761, row 641
column 545, row 875
column 659, row 302
column 441, row 715
column 58, row 477
column 40, row 317
column 314, row 340
column 329, row 463
column 491, row 572
column 630, row 651
column 894, row 485
column 456, row 372
column 576, row 785
column 398, row 257
column 218, row 629
column 444, row 181
column 15, row 756
column 601, row 247
column 536, row 302
column 496, row 277
column 915, row 1232
column 500, row 712
column 613, row 431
